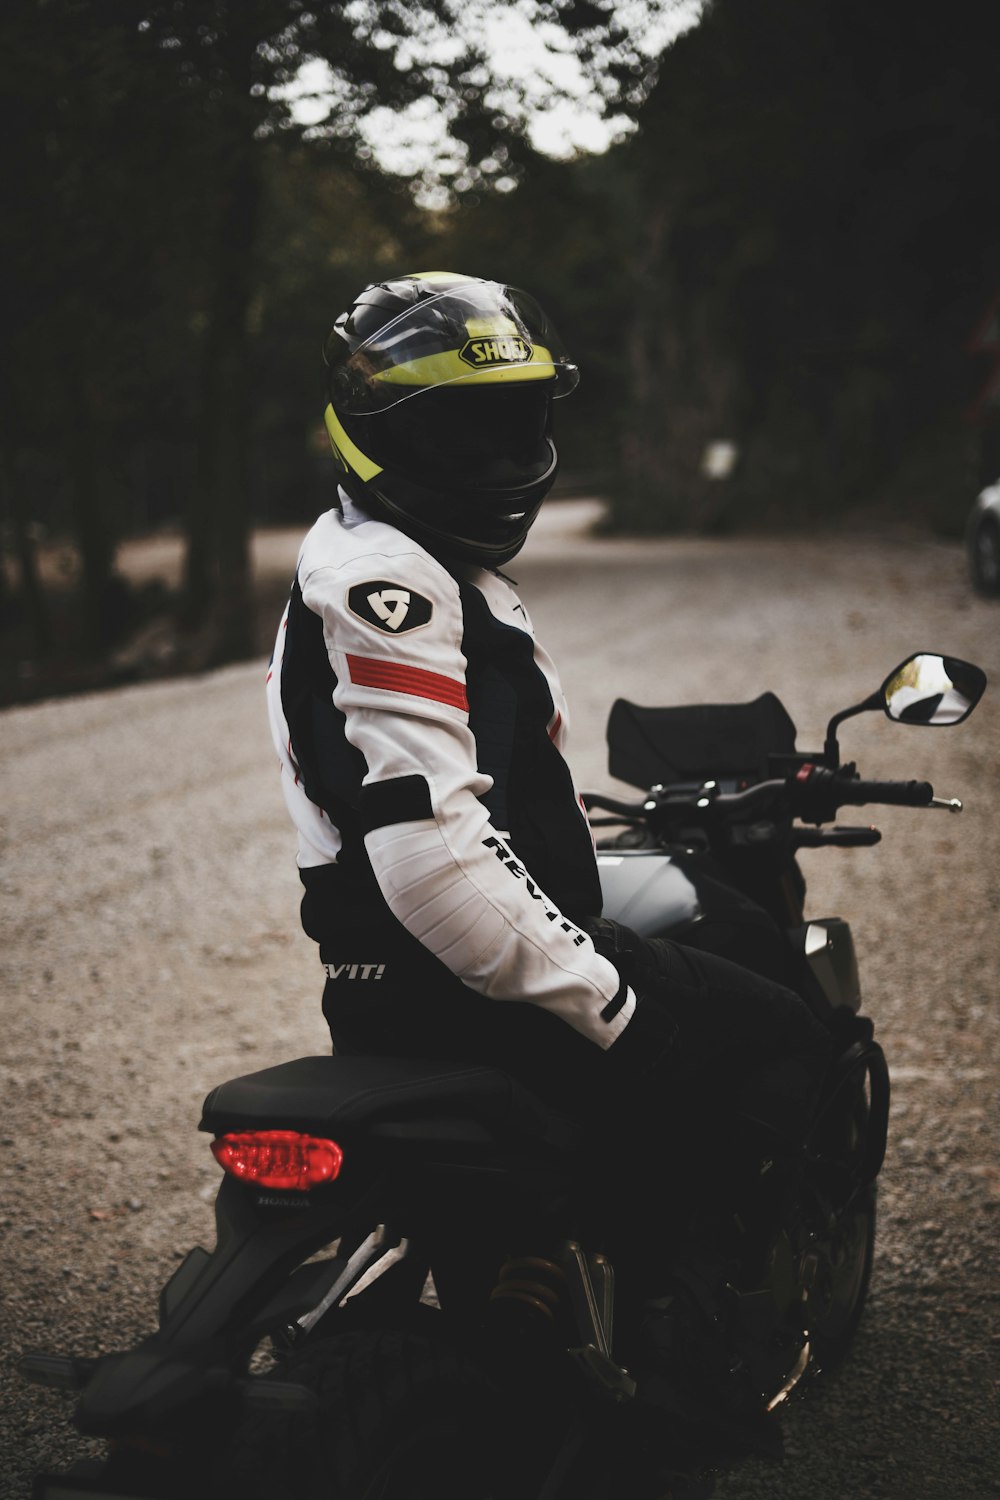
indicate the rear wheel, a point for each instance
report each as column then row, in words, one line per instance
column 398, row 1417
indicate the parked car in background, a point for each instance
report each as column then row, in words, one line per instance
column 982, row 540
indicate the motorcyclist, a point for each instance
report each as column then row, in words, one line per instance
column 448, row 868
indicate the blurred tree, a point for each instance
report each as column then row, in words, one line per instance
column 235, row 65
column 97, row 264
column 819, row 222
column 328, row 230
column 562, row 234
column 789, row 256
column 148, row 135
column 60, row 95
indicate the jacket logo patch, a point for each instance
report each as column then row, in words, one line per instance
column 389, row 607
column 354, row 971
column 505, row 349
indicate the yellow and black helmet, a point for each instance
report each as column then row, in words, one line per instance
column 440, row 394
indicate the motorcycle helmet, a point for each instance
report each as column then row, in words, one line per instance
column 440, row 394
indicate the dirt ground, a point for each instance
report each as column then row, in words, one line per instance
column 151, row 949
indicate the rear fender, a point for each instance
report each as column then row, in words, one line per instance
column 261, row 1236
column 219, row 1304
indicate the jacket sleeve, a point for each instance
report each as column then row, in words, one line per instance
column 393, row 628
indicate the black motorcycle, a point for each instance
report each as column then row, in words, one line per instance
column 428, row 1282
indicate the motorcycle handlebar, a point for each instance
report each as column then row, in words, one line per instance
column 843, row 792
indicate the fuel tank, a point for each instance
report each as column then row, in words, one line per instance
column 654, row 893
column 667, row 895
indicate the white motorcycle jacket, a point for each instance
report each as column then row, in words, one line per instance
column 419, row 728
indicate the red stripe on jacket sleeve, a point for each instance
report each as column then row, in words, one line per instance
column 366, row 671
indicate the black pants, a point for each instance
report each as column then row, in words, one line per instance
column 741, row 1084
column 747, row 1048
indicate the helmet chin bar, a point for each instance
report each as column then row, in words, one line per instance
column 443, row 517
column 485, row 553
column 524, row 501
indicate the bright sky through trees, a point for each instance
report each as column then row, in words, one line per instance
column 536, row 78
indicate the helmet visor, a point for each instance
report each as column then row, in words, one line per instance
column 458, row 436
column 482, row 333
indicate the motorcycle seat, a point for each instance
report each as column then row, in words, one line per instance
column 388, row 1097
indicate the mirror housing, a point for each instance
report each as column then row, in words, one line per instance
column 926, row 688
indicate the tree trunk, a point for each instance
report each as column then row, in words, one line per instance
column 29, row 580
column 651, row 500
column 105, row 592
column 218, row 582
column 684, row 393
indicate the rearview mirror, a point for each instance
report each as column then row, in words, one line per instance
column 923, row 689
column 928, row 689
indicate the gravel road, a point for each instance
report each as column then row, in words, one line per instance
column 151, row 949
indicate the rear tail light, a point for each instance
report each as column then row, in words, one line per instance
column 278, row 1158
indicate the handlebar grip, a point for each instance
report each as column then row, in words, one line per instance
column 890, row 793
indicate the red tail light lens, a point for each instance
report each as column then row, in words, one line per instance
column 278, row 1158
